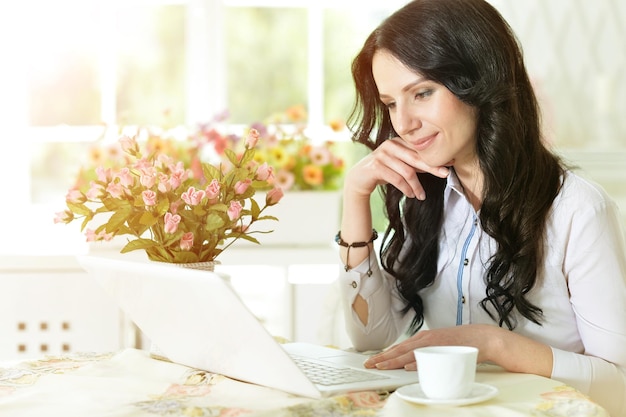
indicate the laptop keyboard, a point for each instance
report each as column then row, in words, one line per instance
column 331, row 374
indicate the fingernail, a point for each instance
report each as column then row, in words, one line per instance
column 421, row 196
column 381, row 365
column 444, row 171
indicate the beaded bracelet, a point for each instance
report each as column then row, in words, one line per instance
column 345, row 244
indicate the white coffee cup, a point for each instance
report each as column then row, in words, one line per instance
column 446, row 372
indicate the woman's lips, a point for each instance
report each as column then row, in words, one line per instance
column 423, row 143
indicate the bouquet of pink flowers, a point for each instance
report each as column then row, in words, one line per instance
column 176, row 211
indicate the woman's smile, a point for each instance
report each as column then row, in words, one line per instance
column 423, row 143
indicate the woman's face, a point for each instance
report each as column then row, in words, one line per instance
column 425, row 114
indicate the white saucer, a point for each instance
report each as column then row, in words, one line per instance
column 480, row 392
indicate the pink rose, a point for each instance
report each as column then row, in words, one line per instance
column 253, row 138
column 171, row 222
column 242, row 186
column 104, row 175
column 126, row 178
column 234, row 210
column 164, row 183
column 103, row 235
column 164, row 160
column 192, row 196
column 149, row 197
column 75, row 196
column 264, row 172
column 186, row 242
column 95, row 192
column 273, row 196
column 115, row 189
column 144, row 165
column 147, row 180
column 213, row 190
column 129, row 145
column 90, row 234
column 64, row 217
column 179, row 174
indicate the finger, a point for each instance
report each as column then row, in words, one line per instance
column 395, row 167
column 397, row 362
column 379, row 358
column 411, row 366
column 395, row 356
column 407, row 162
column 412, row 158
column 404, row 178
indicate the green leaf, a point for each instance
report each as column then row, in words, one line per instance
column 255, row 210
column 81, row 209
column 138, row 244
column 247, row 156
column 219, row 207
column 163, row 206
column 213, row 221
column 84, row 224
column 245, row 237
column 199, row 211
column 114, row 204
column 118, row 218
column 159, row 253
column 147, row 219
column 266, row 217
column 211, row 172
column 232, row 157
column 185, row 257
column 172, row 239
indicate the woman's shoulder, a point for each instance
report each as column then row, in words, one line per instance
column 579, row 192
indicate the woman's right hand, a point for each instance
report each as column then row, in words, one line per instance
column 393, row 162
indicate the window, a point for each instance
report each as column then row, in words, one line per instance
column 82, row 65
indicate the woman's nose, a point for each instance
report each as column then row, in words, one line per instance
column 406, row 121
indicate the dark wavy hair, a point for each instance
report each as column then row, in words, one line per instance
column 469, row 48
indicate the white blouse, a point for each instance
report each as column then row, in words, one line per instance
column 581, row 289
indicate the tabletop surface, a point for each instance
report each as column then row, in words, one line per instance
column 130, row 383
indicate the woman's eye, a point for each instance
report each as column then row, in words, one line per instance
column 423, row 94
column 390, row 105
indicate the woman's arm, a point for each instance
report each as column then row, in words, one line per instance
column 513, row 352
column 595, row 266
column 391, row 163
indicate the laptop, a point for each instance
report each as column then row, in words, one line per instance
column 196, row 319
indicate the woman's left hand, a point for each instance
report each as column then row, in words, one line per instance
column 401, row 355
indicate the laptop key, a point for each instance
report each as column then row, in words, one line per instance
column 331, row 374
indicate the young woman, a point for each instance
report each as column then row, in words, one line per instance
column 492, row 241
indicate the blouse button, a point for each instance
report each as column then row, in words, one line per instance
column 354, row 284
column 465, row 261
column 463, row 299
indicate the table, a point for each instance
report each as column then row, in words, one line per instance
column 130, row 383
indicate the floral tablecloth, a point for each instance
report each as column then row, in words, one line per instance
column 130, row 383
